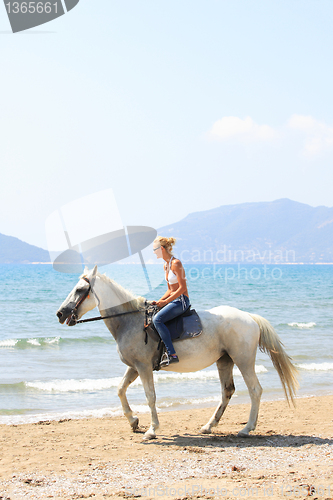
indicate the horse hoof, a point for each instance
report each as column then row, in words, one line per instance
column 135, row 424
column 148, row 436
column 205, row 430
column 243, row 434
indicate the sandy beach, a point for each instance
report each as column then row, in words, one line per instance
column 288, row 456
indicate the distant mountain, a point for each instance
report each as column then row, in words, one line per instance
column 279, row 231
column 15, row 251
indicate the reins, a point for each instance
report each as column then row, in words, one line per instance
column 96, row 318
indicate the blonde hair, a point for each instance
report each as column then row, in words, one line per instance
column 167, row 243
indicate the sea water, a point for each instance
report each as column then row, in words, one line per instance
column 52, row 371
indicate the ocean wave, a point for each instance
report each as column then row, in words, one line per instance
column 190, row 401
column 29, row 343
column 16, row 387
column 8, row 343
column 12, row 419
column 200, row 375
column 311, row 324
column 33, row 342
column 73, row 385
column 78, row 385
column 46, row 417
column 320, row 367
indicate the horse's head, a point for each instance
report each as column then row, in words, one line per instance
column 80, row 300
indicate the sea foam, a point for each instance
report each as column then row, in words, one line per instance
column 77, row 385
column 8, row 343
column 320, row 367
column 42, row 342
column 103, row 412
column 311, row 324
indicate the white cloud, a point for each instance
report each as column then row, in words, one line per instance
column 318, row 135
column 312, row 136
column 232, row 127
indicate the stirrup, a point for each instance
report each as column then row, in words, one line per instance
column 167, row 360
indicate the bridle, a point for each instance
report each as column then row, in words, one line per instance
column 74, row 315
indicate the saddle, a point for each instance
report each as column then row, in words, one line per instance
column 185, row 326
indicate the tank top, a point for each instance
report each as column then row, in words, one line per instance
column 171, row 277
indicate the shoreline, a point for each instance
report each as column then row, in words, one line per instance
column 101, row 458
column 141, row 409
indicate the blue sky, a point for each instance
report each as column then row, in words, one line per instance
column 176, row 106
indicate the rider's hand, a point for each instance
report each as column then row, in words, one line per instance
column 161, row 303
column 154, row 303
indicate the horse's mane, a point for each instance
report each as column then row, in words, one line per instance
column 126, row 296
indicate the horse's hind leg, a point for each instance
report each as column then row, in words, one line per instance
column 225, row 366
column 255, row 391
column 130, row 375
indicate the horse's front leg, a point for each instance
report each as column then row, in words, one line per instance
column 130, row 375
column 147, row 379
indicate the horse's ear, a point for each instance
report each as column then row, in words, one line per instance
column 92, row 276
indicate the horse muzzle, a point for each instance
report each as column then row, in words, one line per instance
column 70, row 318
column 61, row 317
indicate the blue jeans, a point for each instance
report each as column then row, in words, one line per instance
column 170, row 311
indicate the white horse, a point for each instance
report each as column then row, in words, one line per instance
column 229, row 337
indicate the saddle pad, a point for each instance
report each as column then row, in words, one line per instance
column 186, row 326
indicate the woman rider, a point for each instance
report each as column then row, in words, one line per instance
column 175, row 300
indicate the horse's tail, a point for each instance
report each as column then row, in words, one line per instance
column 270, row 343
